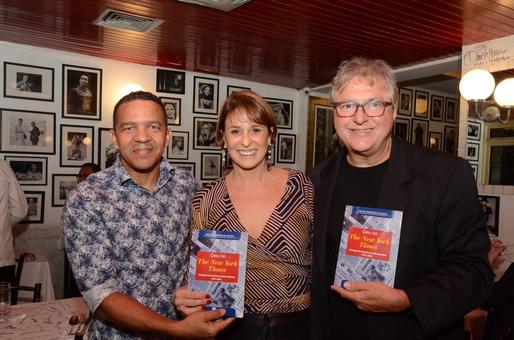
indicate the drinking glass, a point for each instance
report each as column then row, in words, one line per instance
column 5, row 300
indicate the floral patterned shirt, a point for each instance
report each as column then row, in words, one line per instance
column 121, row 237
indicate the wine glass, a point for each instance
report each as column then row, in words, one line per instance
column 5, row 300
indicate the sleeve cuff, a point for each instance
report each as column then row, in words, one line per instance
column 97, row 294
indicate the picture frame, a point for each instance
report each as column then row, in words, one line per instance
column 474, row 130
column 81, row 92
column 436, row 108
column 401, row 128
column 28, row 82
column 77, row 145
column 419, row 132
column 436, row 140
column 450, row 139
column 107, row 152
column 286, row 148
column 191, row 166
column 474, row 167
column 36, row 209
column 179, row 147
column 472, row 151
column 233, row 88
column 170, row 81
column 173, row 109
column 205, row 95
column 29, row 170
column 421, row 104
column 325, row 142
column 491, row 210
column 27, row 132
column 405, row 102
column 204, row 133
column 450, row 110
column 62, row 184
column 211, row 166
column 283, row 110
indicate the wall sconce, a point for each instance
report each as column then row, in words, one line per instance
column 477, row 85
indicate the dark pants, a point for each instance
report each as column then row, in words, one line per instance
column 283, row 326
column 7, row 274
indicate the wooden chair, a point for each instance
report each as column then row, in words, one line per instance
column 16, row 287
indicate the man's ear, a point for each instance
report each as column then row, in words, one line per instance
column 114, row 139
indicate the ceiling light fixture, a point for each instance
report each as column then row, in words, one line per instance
column 222, row 5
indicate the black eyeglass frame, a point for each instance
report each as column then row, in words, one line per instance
column 336, row 104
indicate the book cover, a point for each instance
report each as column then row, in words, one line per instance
column 369, row 245
column 218, row 265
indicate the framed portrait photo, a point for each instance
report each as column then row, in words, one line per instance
column 62, row 184
column 107, row 152
column 436, row 140
column 474, row 130
column 205, row 97
column 419, row 132
column 474, row 167
column 190, row 166
column 450, row 139
column 421, row 104
column 405, row 105
column 286, row 148
column 436, row 108
column 210, row 166
column 325, row 141
column 472, row 151
column 204, row 133
column 491, row 209
column 179, row 148
column 232, row 88
column 283, row 110
column 76, row 145
column 82, row 92
column 450, row 114
column 170, row 81
column 401, row 129
column 27, row 132
column 172, row 107
column 36, row 203
column 29, row 170
column 28, row 82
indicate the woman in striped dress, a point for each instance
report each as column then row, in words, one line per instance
column 274, row 206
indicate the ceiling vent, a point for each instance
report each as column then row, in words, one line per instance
column 126, row 21
column 222, row 5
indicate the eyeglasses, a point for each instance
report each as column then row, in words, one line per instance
column 373, row 108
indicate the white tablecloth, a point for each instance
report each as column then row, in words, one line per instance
column 37, row 271
column 43, row 320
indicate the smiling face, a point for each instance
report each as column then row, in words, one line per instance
column 170, row 111
column 366, row 138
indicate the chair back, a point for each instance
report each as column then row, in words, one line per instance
column 16, row 287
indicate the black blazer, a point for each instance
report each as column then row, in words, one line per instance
column 442, row 263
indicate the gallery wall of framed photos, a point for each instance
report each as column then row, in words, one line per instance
column 56, row 112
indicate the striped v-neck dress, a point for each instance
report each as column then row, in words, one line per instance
column 279, row 260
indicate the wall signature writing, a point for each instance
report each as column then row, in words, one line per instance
column 483, row 55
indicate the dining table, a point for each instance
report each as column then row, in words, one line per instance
column 43, row 320
column 36, row 269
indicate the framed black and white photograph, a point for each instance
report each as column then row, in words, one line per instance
column 491, row 209
column 29, row 170
column 169, row 81
column 450, row 110
column 27, row 132
column 76, row 145
column 421, row 104
column 205, row 96
column 81, row 92
column 286, row 148
column 474, row 167
column 325, row 141
column 173, row 109
column 401, row 129
column 283, row 110
column 472, row 151
column 405, row 105
column 419, row 132
column 210, row 166
column 232, row 88
column 190, row 166
column 62, row 184
column 204, row 133
column 474, row 130
column 436, row 140
column 28, row 82
column 179, row 148
column 107, row 152
column 436, row 108
column 36, row 210
column 450, row 139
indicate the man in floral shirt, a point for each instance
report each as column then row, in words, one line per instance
column 126, row 232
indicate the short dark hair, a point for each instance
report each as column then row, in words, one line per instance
column 93, row 166
column 138, row 95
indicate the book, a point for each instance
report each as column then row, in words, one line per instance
column 369, row 245
column 218, row 266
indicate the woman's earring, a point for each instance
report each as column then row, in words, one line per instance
column 224, row 158
column 268, row 157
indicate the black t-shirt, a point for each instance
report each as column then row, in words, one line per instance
column 354, row 186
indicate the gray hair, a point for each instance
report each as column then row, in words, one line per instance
column 373, row 70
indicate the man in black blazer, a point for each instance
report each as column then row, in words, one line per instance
column 442, row 270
